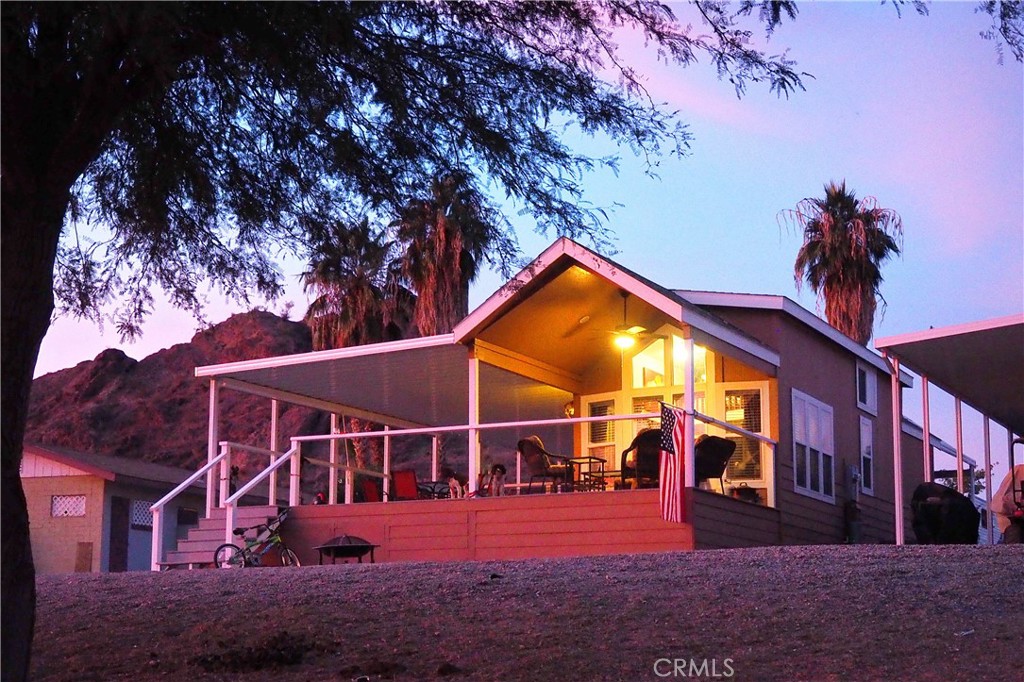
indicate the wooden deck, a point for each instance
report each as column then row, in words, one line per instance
column 531, row 526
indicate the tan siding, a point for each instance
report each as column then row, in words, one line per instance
column 55, row 540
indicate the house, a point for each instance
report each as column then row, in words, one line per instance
column 90, row 513
column 810, row 411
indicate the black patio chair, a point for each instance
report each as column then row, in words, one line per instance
column 711, row 457
column 642, row 470
column 542, row 464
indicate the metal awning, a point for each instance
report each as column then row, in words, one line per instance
column 410, row 383
column 982, row 363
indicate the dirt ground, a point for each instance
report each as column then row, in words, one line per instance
column 794, row 613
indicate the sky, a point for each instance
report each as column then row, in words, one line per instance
column 915, row 111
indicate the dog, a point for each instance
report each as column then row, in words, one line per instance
column 496, row 485
column 456, row 484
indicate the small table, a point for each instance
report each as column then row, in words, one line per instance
column 346, row 547
column 590, row 479
column 437, row 490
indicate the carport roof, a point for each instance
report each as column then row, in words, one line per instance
column 982, row 363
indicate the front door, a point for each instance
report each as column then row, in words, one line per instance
column 120, row 508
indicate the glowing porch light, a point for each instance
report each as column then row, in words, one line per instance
column 624, row 341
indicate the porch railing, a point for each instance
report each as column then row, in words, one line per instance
column 157, row 509
column 293, row 456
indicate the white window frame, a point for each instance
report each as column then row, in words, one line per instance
column 867, row 453
column 810, row 408
column 870, row 404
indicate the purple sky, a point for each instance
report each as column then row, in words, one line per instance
column 915, row 111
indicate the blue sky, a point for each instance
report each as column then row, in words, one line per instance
column 914, row 111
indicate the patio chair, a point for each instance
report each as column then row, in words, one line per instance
column 641, row 470
column 543, row 465
column 711, row 456
column 404, row 486
column 371, row 490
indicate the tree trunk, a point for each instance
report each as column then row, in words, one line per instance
column 32, row 222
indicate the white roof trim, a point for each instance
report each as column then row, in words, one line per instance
column 324, row 355
column 794, row 309
column 674, row 309
column 953, row 330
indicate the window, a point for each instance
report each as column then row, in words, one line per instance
column 867, row 456
column 867, row 389
column 813, row 451
column 67, row 505
column 743, row 409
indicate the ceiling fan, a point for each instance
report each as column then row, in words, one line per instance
column 626, row 334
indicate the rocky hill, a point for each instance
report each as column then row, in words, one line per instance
column 155, row 409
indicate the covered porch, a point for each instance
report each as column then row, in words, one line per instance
column 545, row 356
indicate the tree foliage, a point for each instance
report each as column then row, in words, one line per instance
column 845, row 241
column 221, row 133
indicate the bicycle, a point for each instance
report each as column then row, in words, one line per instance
column 267, row 538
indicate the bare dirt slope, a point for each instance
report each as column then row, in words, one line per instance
column 796, row 613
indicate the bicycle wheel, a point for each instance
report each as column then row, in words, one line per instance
column 288, row 557
column 228, row 556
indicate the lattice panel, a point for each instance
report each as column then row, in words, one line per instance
column 142, row 517
column 67, row 505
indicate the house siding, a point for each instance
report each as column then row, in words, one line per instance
column 816, row 366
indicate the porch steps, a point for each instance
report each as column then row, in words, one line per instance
column 196, row 550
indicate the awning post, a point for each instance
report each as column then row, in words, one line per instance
column 332, row 476
column 897, row 459
column 212, row 445
column 689, row 463
column 927, row 437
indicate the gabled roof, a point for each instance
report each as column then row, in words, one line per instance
column 982, row 363
column 564, row 252
column 120, row 469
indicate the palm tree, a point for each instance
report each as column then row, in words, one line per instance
column 845, row 243
column 445, row 238
column 356, row 303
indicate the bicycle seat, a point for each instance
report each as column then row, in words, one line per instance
column 239, row 531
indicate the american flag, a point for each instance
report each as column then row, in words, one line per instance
column 671, row 474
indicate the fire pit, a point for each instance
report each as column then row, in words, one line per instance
column 346, row 547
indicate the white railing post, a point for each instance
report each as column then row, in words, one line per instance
column 294, row 493
column 157, row 550
column 434, row 471
column 332, row 475
column 225, row 474
column 473, row 444
column 229, row 522
column 387, row 464
column 274, row 440
column 213, row 438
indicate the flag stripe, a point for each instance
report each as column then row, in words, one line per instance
column 673, row 426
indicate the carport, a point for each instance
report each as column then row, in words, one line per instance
column 980, row 363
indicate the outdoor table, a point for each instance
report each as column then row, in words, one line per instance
column 346, row 547
column 590, row 479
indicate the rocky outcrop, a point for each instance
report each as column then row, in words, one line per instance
column 155, row 409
